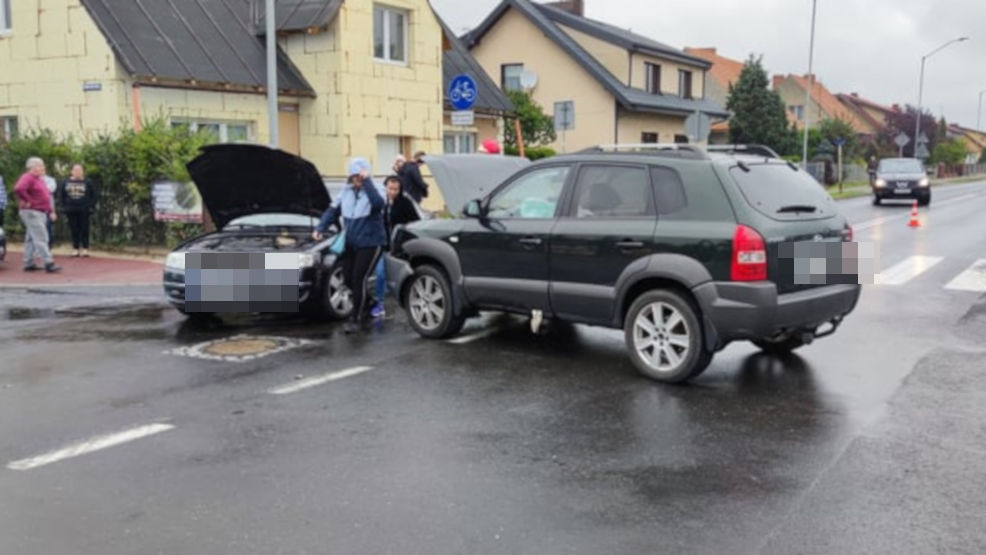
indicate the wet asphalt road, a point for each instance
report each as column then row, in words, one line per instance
column 869, row 441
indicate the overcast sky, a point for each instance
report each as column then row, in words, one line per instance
column 872, row 47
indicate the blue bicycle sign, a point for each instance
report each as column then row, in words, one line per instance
column 462, row 92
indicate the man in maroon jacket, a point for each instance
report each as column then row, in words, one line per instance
column 34, row 202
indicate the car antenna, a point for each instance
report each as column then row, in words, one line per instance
column 791, row 165
column 742, row 165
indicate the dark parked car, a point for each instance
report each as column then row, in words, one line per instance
column 3, row 245
column 264, row 201
column 684, row 250
column 901, row 178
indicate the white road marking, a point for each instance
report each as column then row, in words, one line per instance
column 861, row 226
column 306, row 383
column 473, row 336
column 90, row 445
column 903, row 272
column 973, row 279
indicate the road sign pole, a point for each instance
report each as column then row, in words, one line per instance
column 840, row 167
column 272, row 123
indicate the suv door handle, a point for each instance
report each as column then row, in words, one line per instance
column 629, row 244
column 530, row 241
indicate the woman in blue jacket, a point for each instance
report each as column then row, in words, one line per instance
column 360, row 207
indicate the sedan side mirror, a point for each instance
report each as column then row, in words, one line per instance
column 473, row 209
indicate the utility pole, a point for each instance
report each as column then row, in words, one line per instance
column 979, row 114
column 917, row 124
column 269, row 20
column 811, row 84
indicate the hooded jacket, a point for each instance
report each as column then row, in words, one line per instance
column 362, row 216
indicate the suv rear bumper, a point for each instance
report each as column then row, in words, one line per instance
column 756, row 311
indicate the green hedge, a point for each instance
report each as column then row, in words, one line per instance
column 532, row 152
column 122, row 165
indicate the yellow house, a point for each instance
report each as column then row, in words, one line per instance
column 613, row 86
column 355, row 77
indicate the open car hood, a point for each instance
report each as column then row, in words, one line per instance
column 238, row 180
column 464, row 177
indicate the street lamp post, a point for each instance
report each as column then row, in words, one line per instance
column 811, row 85
column 271, row 74
column 917, row 125
column 979, row 114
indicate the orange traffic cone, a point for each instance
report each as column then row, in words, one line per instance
column 914, row 216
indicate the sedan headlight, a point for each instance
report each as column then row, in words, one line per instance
column 175, row 260
column 880, row 183
column 924, row 182
column 305, row 260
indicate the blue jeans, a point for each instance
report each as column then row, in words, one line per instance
column 381, row 281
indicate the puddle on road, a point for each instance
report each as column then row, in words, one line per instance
column 27, row 313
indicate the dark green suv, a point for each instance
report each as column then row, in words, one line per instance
column 685, row 249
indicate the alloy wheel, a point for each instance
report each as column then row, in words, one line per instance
column 661, row 337
column 427, row 302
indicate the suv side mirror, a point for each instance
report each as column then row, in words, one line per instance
column 473, row 209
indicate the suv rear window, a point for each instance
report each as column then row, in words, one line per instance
column 782, row 193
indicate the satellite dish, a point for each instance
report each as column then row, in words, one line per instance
column 528, row 80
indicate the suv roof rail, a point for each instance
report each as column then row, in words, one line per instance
column 752, row 149
column 678, row 150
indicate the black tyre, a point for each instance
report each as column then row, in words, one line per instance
column 665, row 338
column 876, row 200
column 779, row 346
column 924, row 200
column 337, row 299
column 429, row 305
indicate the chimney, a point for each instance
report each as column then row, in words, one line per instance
column 575, row 7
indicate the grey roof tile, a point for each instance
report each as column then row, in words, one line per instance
column 208, row 41
column 299, row 15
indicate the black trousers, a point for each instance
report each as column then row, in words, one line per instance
column 78, row 223
column 357, row 267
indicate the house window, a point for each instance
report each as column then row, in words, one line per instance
column 8, row 127
column 653, row 78
column 460, row 143
column 510, row 77
column 390, row 34
column 648, row 138
column 4, row 16
column 798, row 111
column 684, row 83
column 681, row 139
column 221, row 132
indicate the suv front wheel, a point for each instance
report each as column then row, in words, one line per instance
column 665, row 338
column 429, row 304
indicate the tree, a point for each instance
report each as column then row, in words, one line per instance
column 538, row 128
column 758, row 112
column 904, row 122
column 951, row 152
column 832, row 129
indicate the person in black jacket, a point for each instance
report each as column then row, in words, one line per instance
column 399, row 210
column 414, row 185
column 77, row 198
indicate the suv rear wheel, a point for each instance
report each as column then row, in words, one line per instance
column 429, row 304
column 665, row 338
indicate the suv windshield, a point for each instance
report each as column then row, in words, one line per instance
column 782, row 193
column 901, row 165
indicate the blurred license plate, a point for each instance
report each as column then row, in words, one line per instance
column 903, row 191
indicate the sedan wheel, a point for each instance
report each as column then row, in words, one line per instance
column 338, row 300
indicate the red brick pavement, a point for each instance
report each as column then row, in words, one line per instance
column 82, row 271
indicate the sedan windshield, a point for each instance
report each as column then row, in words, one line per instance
column 273, row 220
column 901, row 165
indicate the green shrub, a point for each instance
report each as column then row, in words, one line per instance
column 531, row 153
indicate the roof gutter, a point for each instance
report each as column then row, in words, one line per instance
column 172, row 83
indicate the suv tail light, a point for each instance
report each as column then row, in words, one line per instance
column 749, row 255
column 850, row 233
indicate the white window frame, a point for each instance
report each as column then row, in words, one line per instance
column 650, row 69
column 6, row 130
column 387, row 10
column 682, row 73
column 194, row 124
column 5, row 17
column 798, row 111
column 461, row 137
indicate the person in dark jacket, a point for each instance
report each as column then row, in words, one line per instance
column 399, row 210
column 361, row 208
column 414, row 185
column 77, row 197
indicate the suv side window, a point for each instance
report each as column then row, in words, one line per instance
column 613, row 192
column 534, row 195
column 669, row 190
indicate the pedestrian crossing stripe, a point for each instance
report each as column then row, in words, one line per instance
column 973, row 279
column 907, row 270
